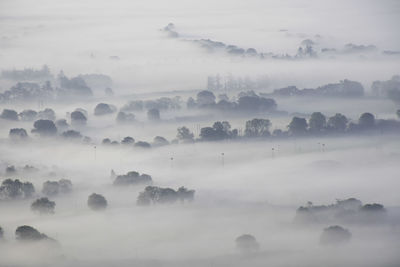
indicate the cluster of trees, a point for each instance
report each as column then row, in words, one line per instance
column 28, row 74
column 75, row 87
column 231, row 83
column 133, row 178
column 43, row 206
column 28, row 115
column 349, row 210
column 15, row 189
column 53, row 188
column 247, row 102
column 26, row 233
column 319, row 124
column 163, row 103
column 387, row 89
column 345, row 88
column 159, row 195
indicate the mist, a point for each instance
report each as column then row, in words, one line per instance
column 178, row 133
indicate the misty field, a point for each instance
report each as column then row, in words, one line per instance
column 199, row 133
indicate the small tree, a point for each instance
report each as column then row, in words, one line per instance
column 317, row 122
column 335, row 235
column 44, row 128
column 97, row 202
column 298, row 126
column 28, row 233
column 184, row 134
column 43, row 206
column 257, row 128
column 247, row 244
column 337, row 123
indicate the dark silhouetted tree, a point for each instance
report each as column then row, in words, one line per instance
column 257, row 128
column 44, row 128
column 15, row 189
column 317, row 122
column 337, row 123
column 127, row 141
column 18, row 134
column 103, row 109
column 298, row 126
column 142, row 144
column 43, row 206
column 133, row 178
column 184, row 134
column 247, row 244
column 366, row 121
column 78, row 118
column 28, row 233
column 9, row 114
column 160, row 141
column 335, row 235
column 205, row 98
column 97, row 202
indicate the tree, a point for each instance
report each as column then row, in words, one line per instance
column 28, row 115
column 205, row 98
column 366, row 121
column 53, row 188
column 18, row 134
column 184, row 134
column 28, row 233
column 97, row 202
column 257, row 128
column 317, row 122
column 335, row 235
column 1, row 233
column 128, row 140
column 50, row 188
column 153, row 114
column 15, row 189
column 191, row 103
column 125, row 117
column 43, row 205
column 47, row 114
column 61, row 124
column 71, row 134
column 159, row 195
column 219, row 131
column 65, row 185
column 160, row 141
column 298, row 126
column 78, row 118
column 247, row 244
column 133, row 178
column 142, row 144
column 256, row 104
column 9, row 114
column 398, row 113
column 338, row 122
column 44, row 128
column 103, row 109
column 185, row 194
